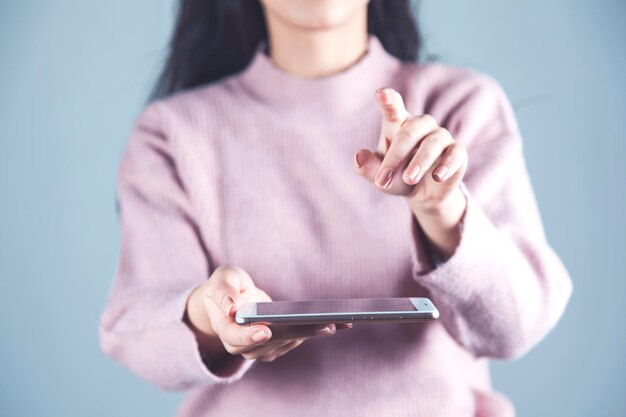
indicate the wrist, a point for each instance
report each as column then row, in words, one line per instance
column 440, row 224
column 448, row 211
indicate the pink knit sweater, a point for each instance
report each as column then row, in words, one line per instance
column 257, row 171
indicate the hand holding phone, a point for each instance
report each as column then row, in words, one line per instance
column 211, row 309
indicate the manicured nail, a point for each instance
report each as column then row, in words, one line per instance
column 411, row 174
column 382, row 95
column 440, row 172
column 228, row 304
column 260, row 336
column 383, row 179
column 356, row 159
column 324, row 331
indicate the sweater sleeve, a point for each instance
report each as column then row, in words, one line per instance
column 162, row 260
column 504, row 288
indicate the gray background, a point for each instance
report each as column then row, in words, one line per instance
column 75, row 73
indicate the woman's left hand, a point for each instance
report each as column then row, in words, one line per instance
column 415, row 158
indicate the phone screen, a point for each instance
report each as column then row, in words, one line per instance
column 335, row 306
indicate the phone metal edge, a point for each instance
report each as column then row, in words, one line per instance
column 427, row 305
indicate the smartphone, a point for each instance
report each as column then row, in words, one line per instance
column 355, row 310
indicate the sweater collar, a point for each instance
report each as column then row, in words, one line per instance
column 336, row 96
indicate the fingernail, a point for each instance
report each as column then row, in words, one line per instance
column 228, row 304
column 381, row 94
column 356, row 159
column 383, row 179
column 260, row 336
column 324, row 332
column 440, row 173
column 412, row 173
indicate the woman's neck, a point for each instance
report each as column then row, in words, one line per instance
column 320, row 52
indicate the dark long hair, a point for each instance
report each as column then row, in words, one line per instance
column 216, row 38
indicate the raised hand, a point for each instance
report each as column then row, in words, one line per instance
column 415, row 157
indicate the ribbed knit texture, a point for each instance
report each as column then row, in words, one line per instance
column 257, row 171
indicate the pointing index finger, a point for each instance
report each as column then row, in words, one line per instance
column 391, row 106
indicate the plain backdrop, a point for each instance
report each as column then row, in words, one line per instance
column 75, row 73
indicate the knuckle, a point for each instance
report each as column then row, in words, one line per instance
column 430, row 142
column 392, row 159
column 414, row 128
column 457, row 156
column 239, row 271
column 409, row 120
column 450, row 159
column 442, row 132
column 428, row 119
column 460, row 148
column 218, row 285
column 224, row 288
column 424, row 155
column 223, row 274
column 405, row 135
column 457, row 151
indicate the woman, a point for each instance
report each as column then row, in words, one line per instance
column 240, row 183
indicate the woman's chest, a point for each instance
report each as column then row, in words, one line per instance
column 295, row 215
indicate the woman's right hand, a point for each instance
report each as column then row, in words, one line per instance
column 210, row 314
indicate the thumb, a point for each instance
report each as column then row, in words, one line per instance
column 230, row 301
column 228, row 286
column 367, row 164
